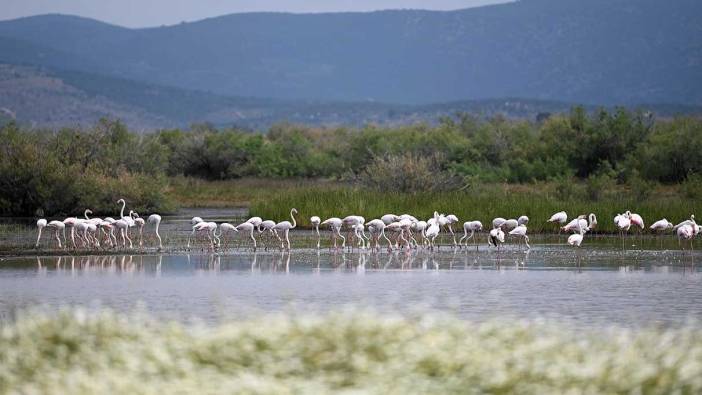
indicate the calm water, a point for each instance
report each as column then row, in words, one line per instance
column 593, row 286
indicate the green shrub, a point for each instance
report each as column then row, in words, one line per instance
column 408, row 173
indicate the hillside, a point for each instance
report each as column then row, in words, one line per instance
column 596, row 51
column 54, row 98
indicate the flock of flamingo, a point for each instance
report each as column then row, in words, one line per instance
column 405, row 231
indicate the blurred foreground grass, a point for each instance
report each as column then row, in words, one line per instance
column 75, row 352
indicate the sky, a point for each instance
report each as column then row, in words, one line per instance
column 146, row 13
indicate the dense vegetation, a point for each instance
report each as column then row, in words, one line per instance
column 583, row 156
column 622, row 146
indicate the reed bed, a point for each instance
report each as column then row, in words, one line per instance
column 538, row 202
column 79, row 352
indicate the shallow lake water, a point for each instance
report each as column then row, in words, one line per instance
column 594, row 286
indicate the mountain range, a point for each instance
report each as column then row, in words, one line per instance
column 256, row 68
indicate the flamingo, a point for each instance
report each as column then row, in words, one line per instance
column 406, row 225
column 396, row 227
column 450, row 220
column 496, row 237
column 256, row 221
column 285, row 226
column 686, row 232
column 122, row 225
column 509, row 224
column 576, row 239
column 71, row 222
column 41, row 224
column 433, row 230
column 376, row 228
column 248, row 227
column 661, row 226
column 472, row 226
column 225, row 227
column 561, row 218
column 195, row 220
column 583, row 221
column 389, row 218
column 107, row 228
column 421, row 227
column 139, row 223
column 268, row 226
column 315, row 221
column 498, row 222
column 57, row 226
column 128, row 219
column 636, row 220
column 523, row 220
column 208, row 228
column 352, row 221
column 335, row 227
column 155, row 219
column 520, row 231
column 623, row 222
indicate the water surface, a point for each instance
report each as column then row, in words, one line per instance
column 593, row 286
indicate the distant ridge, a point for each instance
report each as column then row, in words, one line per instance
column 54, row 98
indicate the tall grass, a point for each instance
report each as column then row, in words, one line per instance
column 74, row 352
column 538, row 201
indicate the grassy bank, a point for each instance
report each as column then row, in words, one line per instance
column 77, row 352
column 538, row 201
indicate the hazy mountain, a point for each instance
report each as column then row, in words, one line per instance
column 54, row 99
column 595, row 51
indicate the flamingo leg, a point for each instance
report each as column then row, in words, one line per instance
column 38, row 237
column 58, row 239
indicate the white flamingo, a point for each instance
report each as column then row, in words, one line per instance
column 155, row 219
column 267, row 227
column 57, row 226
column 623, row 223
column 248, row 227
column 376, row 228
column 315, row 221
column 389, row 218
column 450, row 220
column 285, row 227
column 521, row 232
column 496, row 237
column 559, row 218
column 210, row 230
column 433, row 230
column 335, row 224
column 472, row 226
column 225, row 228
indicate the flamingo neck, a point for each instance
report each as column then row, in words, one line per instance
column 293, row 219
column 121, row 213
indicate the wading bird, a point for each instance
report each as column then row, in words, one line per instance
column 155, row 219
column 521, row 233
column 285, row 227
column 433, row 230
column 623, row 223
column 225, row 228
column 496, row 237
column 335, row 224
column 450, row 220
column 315, row 221
column 559, row 218
column 472, row 226
column 247, row 227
